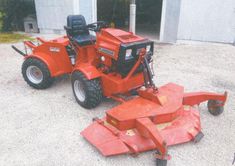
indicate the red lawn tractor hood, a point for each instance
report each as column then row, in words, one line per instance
column 122, row 36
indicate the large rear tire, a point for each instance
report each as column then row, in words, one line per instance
column 88, row 93
column 36, row 73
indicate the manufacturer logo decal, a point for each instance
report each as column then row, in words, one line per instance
column 54, row 49
column 106, row 51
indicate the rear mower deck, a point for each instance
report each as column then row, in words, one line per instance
column 153, row 120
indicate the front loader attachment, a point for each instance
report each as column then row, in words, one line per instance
column 154, row 120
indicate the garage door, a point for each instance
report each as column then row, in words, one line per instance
column 207, row 20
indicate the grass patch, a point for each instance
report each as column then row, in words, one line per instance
column 13, row 37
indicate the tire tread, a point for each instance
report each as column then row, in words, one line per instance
column 93, row 90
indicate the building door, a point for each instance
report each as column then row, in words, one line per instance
column 148, row 15
column 148, row 18
column 114, row 12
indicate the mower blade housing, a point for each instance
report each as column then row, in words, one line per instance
column 153, row 120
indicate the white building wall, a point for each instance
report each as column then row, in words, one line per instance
column 88, row 8
column 170, row 20
column 52, row 14
column 207, row 20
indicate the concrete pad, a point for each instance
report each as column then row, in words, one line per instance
column 42, row 127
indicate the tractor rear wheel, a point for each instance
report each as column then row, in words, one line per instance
column 88, row 93
column 215, row 107
column 36, row 73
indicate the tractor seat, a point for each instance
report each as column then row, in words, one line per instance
column 77, row 30
column 84, row 40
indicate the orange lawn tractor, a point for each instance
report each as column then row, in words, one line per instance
column 106, row 65
column 116, row 64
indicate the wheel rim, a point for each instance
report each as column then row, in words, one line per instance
column 79, row 90
column 34, row 74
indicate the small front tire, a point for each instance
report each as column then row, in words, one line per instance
column 36, row 73
column 215, row 107
column 88, row 93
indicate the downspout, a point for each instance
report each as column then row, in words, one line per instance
column 132, row 22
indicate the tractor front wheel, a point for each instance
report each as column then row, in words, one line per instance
column 36, row 73
column 88, row 93
column 215, row 107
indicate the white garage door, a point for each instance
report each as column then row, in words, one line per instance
column 207, row 20
column 51, row 15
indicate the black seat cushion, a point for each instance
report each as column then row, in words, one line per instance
column 78, row 30
column 84, row 39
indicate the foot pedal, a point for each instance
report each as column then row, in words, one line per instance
column 198, row 137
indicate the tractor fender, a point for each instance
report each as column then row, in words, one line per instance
column 51, row 64
column 88, row 70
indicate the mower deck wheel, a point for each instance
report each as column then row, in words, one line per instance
column 160, row 162
column 88, row 93
column 215, row 107
column 36, row 73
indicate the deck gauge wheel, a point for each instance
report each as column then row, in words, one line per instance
column 215, row 107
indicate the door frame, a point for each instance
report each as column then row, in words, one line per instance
column 162, row 20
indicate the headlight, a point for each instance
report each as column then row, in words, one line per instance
column 128, row 54
column 148, row 48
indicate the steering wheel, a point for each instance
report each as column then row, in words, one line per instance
column 97, row 26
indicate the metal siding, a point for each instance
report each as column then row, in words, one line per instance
column 170, row 20
column 207, row 20
column 86, row 10
column 51, row 15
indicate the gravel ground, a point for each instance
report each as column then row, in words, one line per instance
column 42, row 127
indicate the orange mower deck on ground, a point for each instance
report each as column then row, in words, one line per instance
column 150, row 121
